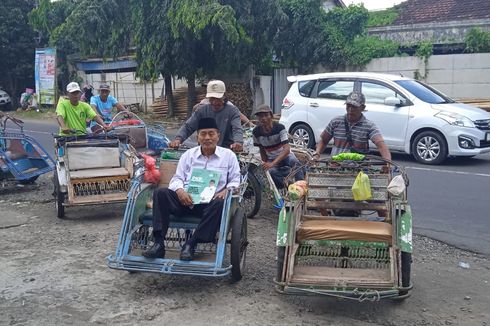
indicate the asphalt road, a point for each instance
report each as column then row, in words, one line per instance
column 450, row 202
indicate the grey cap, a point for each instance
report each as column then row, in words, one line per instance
column 264, row 108
column 356, row 98
column 105, row 86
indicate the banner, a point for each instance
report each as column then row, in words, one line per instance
column 45, row 75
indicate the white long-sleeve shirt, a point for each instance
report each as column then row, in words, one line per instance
column 223, row 160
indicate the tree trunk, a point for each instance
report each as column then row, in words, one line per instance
column 191, row 93
column 169, row 95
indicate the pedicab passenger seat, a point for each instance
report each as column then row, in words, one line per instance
column 182, row 221
column 97, row 171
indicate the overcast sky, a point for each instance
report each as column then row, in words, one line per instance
column 374, row 4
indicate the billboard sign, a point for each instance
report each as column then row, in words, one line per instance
column 45, row 75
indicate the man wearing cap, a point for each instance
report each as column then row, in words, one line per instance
column 351, row 132
column 226, row 115
column 176, row 200
column 104, row 102
column 272, row 140
column 72, row 113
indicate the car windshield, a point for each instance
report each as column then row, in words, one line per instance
column 424, row 92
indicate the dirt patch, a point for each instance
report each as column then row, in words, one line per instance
column 54, row 272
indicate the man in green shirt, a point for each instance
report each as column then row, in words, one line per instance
column 72, row 114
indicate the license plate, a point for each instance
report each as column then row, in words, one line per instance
column 487, row 138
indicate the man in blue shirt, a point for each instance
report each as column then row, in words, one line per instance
column 104, row 103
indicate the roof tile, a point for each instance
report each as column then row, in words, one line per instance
column 431, row 11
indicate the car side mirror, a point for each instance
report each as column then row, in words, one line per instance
column 393, row 101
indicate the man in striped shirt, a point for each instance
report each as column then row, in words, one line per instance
column 272, row 140
column 352, row 131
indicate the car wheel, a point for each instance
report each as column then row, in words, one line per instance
column 303, row 136
column 429, row 147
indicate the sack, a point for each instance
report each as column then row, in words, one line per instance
column 396, row 186
column 361, row 189
column 152, row 175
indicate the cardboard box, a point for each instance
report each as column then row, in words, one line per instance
column 167, row 171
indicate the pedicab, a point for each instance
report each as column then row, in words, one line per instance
column 22, row 158
column 136, row 234
column 330, row 244
column 97, row 168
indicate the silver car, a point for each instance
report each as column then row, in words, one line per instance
column 413, row 117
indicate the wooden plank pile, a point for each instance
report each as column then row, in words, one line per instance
column 160, row 106
column 238, row 93
column 481, row 103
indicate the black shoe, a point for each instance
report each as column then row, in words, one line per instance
column 156, row 251
column 187, row 253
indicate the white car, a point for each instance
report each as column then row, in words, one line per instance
column 4, row 100
column 413, row 117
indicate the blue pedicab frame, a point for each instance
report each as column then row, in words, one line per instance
column 136, row 235
column 23, row 169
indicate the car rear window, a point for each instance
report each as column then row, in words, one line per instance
column 335, row 89
column 305, row 87
column 424, row 92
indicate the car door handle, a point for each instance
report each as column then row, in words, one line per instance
column 314, row 105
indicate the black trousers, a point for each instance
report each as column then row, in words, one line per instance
column 166, row 202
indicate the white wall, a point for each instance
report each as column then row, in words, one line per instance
column 127, row 88
column 457, row 75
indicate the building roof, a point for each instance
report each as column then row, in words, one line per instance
column 431, row 11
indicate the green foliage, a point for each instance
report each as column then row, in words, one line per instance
column 424, row 50
column 382, row 17
column 365, row 48
column 17, row 46
column 342, row 27
column 477, row 41
column 302, row 40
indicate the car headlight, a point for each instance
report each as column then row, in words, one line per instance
column 455, row 119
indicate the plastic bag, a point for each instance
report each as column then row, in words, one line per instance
column 396, row 186
column 152, row 174
column 348, row 157
column 361, row 189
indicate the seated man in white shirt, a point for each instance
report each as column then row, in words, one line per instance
column 175, row 200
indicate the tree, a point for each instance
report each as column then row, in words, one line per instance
column 302, row 41
column 17, row 46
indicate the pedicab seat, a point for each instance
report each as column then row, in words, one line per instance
column 187, row 220
column 345, row 230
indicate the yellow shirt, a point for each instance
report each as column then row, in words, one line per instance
column 75, row 116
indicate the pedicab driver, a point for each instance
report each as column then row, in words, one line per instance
column 175, row 200
column 104, row 103
column 72, row 113
column 351, row 132
column 226, row 115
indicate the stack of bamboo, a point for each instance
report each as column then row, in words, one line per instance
column 160, row 106
column 238, row 93
column 481, row 103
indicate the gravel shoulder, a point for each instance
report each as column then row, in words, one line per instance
column 54, row 272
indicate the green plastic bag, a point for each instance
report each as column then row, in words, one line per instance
column 348, row 157
column 361, row 189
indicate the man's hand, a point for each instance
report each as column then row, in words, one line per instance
column 67, row 130
column 315, row 156
column 175, row 143
column 221, row 194
column 107, row 128
column 236, row 147
column 184, row 198
column 268, row 165
column 385, row 169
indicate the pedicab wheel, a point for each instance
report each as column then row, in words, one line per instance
column 59, row 197
column 252, row 197
column 406, row 262
column 239, row 244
